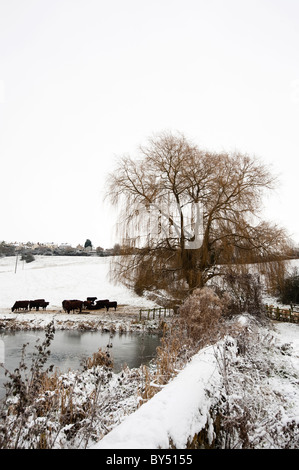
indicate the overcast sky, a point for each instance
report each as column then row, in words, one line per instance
column 83, row 82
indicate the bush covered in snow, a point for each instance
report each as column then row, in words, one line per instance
column 239, row 393
column 258, row 406
column 201, row 313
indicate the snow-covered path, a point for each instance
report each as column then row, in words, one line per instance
column 172, row 414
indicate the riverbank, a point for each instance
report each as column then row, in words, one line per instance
column 250, row 377
column 224, row 397
column 126, row 319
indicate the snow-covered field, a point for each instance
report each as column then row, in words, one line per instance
column 55, row 278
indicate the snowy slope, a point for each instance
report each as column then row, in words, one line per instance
column 56, row 278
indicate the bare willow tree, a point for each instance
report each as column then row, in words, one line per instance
column 186, row 214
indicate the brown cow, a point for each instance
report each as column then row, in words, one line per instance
column 20, row 305
column 72, row 305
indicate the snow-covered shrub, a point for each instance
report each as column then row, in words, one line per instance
column 201, row 313
column 99, row 358
column 256, row 409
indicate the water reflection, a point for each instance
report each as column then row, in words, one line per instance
column 69, row 348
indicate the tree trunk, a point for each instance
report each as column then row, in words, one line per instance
column 192, row 275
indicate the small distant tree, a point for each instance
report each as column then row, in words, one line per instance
column 116, row 249
column 99, row 251
column 87, row 243
column 6, row 249
column 28, row 257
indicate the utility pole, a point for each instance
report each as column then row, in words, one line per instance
column 16, row 263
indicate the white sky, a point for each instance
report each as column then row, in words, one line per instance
column 84, row 81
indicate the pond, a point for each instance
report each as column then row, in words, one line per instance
column 69, row 348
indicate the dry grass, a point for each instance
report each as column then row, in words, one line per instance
column 175, row 351
column 100, row 358
column 200, row 323
column 202, row 312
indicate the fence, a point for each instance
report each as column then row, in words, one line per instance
column 155, row 312
column 275, row 313
column 282, row 314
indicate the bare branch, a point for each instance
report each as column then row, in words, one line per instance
column 185, row 212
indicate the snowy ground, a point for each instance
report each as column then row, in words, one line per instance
column 55, row 278
column 182, row 408
column 258, row 386
column 67, row 277
column 175, row 413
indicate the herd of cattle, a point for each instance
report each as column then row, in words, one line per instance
column 91, row 303
column 29, row 304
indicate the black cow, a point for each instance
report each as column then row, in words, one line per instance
column 20, row 305
column 88, row 304
column 44, row 304
column 64, row 304
column 72, row 305
column 33, row 304
column 101, row 303
column 112, row 305
column 37, row 303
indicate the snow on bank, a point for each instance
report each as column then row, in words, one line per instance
column 264, row 382
column 114, row 323
column 181, row 408
column 172, row 415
